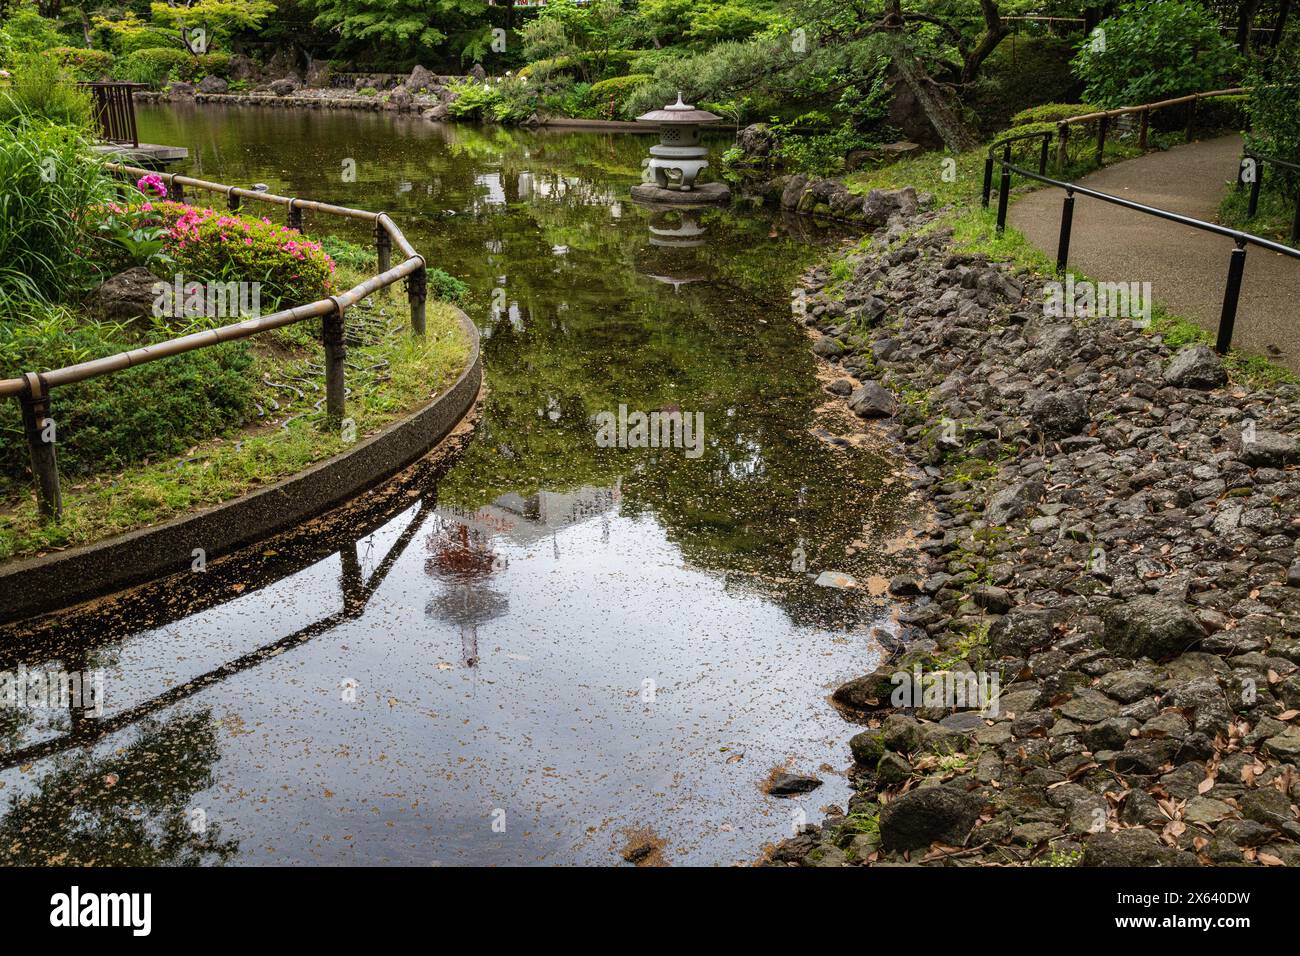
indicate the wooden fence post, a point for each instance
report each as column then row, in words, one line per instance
column 1062, row 141
column 417, row 291
column 336, row 353
column 40, row 431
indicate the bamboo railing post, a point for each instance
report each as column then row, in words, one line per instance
column 232, row 200
column 335, row 355
column 178, row 191
column 383, row 245
column 1146, row 124
column 295, row 215
column 1062, row 142
column 417, row 291
column 39, row 428
column 1103, row 126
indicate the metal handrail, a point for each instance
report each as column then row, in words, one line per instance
column 32, row 389
column 1236, row 263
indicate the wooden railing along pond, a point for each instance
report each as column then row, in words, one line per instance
column 33, row 389
column 115, row 112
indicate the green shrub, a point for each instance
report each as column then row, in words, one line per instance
column 82, row 63
column 1153, row 51
column 48, row 175
column 351, row 255
column 473, row 100
column 1052, row 113
column 209, row 245
column 610, row 96
column 26, row 31
column 40, row 89
column 1023, row 72
column 158, row 409
column 157, row 65
column 1274, row 110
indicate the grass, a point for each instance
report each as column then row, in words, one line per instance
column 227, row 466
column 1272, row 218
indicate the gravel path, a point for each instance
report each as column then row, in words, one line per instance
column 1187, row 268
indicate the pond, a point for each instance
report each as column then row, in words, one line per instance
column 551, row 650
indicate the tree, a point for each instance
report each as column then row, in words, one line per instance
column 424, row 25
column 220, row 18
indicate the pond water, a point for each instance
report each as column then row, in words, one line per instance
column 549, row 650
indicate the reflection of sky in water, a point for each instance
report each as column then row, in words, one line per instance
column 500, row 635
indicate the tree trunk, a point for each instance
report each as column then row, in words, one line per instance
column 939, row 104
column 1245, row 18
column 1284, row 8
column 994, row 31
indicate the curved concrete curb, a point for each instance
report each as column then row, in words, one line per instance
column 64, row 578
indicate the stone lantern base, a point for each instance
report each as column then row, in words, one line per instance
column 704, row 194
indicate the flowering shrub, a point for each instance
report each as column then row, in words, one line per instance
column 152, row 186
column 209, row 245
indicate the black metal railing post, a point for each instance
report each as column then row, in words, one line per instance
column 1231, row 294
column 988, row 179
column 1067, row 223
column 383, row 245
column 1253, row 205
column 295, row 215
column 1004, row 193
column 1295, row 222
column 232, row 200
column 1042, row 154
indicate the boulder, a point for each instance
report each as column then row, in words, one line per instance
column 756, row 142
column 286, row 86
column 242, row 67
column 785, row 784
column 867, row 692
column 399, row 99
column 881, row 204
column 125, row 296
column 422, row 80
column 1269, row 450
column 928, row 815
column 179, row 89
column 872, row 400
column 437, row 114
column 1058, row 414
column 1132, row 847
column 477, row 73
column 1021, row 630
column 1013, row 502
column 1195, row 366
column 1157, row 626
column 212, row 84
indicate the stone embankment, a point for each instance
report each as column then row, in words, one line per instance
column 1116, row 543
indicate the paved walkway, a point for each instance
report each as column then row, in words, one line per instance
column 1187, row 268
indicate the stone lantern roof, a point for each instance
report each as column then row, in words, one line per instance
column 678, row 113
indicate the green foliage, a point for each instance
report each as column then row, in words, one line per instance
column 415, row 25
column 609, row 96
column 156, row 66
column 810, row 143
column 1274, row 111
column 587, row 35
column 473, row 100
column 1022, row 72
column 1052, row 113
column 155, row 410
column 220, row 18
column 728, row 70
column 1154, row 51
column 25, row 32
column 40, row 89
column 82, row 63
column 47, row 177
column 226, row 247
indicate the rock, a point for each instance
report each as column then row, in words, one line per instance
column 125, row 296
column 437, row 114
column 867, row 747
column 1269, row 450
column 178, row 89
column 835, row 579
column 827, row 347
column 421, row 80
column 841, row 387
column 477, row 73
column 1022, row 630
column 1013, row 502
column 928, row 815
column 1058, row 414
column 399, row 99
column 241, row 68
column 783, row 784
column 755, row 142
column 1207, row 810
column 1135, row 847
column 1195, row 366
column 318, row 75
column 867, row 692
column 1152, row 625
column 212, row 84
column 872, row 401
column 286, row 86
column 881, row 204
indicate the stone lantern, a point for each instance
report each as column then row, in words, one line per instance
column 679, row 150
